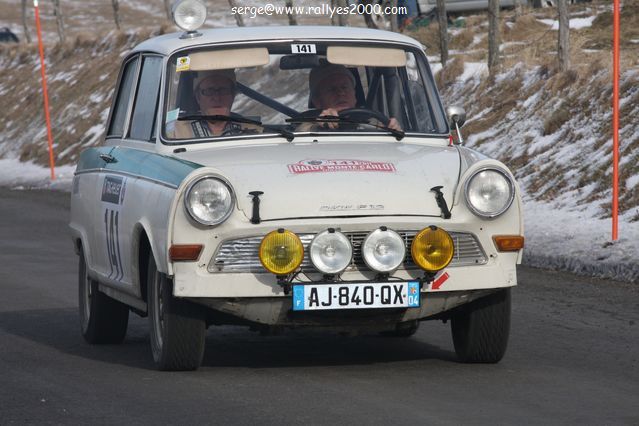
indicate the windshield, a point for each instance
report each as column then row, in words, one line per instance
column 291, row 89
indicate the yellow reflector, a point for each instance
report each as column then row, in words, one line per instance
column 432, row 249
column 281, row 252
column 509, row 242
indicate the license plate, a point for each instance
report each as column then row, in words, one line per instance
column 311, row 297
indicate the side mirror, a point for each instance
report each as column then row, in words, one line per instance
column 456, row 119
column 456, row 115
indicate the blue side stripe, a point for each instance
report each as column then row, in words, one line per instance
column 151, row 165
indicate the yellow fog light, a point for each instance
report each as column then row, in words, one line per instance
column 432, row 249
column 281, row 252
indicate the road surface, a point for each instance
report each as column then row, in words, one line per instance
column 572, row 356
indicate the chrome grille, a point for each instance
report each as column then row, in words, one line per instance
column 241, row 255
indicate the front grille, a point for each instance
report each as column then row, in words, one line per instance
column 241, row 255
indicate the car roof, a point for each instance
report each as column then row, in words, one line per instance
column 168, row 43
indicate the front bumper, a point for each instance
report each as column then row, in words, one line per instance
column 194, row 281
column 276, row 311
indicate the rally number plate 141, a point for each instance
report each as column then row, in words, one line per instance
column 311, row 297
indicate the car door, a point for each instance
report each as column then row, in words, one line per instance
column 104, row 190
column 124, row 175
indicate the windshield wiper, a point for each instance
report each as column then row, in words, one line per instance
column 283, row 132
column 399, row 134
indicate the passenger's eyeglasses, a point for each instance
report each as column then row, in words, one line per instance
column 222, row 91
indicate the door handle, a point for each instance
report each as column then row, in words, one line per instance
column 108, row 158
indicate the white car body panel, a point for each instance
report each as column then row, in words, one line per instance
column 383, row 178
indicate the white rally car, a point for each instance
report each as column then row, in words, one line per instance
column 230, row 191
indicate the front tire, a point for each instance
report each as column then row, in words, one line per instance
column 177, row 328
column 102, row 319
column 481, row 328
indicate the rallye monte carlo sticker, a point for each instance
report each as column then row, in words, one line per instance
column 329, row 166
column 113, row 190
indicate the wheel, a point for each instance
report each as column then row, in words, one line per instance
column 102, row 319
column 403, row 329
column 362, row 115
column 480, row 328
column 177, row 327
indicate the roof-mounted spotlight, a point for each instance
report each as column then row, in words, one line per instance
column 189, row 15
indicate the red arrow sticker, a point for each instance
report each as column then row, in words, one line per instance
column 439, row 281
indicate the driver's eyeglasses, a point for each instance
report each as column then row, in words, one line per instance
column 211, row 91
column 344, row 88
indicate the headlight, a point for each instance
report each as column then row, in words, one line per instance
column 281, row 252
column 432, row 249
column 189, row 14
column 330, row 252
column 209, row 201
column 489, row 192
column 383, row 250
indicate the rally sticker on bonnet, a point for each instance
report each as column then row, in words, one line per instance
column 328, row 166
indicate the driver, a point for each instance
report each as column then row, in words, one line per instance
column 214, row 92
column 332, row 89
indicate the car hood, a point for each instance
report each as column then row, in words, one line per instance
column 320, row 179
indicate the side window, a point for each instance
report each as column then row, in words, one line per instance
column 146, row 100
column 121, row 105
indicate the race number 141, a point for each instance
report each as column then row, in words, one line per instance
column 303, row 48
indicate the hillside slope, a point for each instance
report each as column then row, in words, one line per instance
column 554, row 128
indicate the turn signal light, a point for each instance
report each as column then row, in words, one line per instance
column 432, row 249
column 509, row 242
column 281, row 252
column 185, row 252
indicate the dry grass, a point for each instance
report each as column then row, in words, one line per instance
column 500, row 99
column 462, row 40
column 429, row 37
column 556, row 119
column 527, row 29
column 449, row 74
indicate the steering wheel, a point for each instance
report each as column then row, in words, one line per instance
column 363, row 115
column 310, row 113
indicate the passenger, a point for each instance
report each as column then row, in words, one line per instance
column 332, row 90
column 214, row 92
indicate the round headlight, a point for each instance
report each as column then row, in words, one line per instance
column 209, row 201
column 383, row 250
column 331, row 252
column 432, row 249
column 189, row 14
column 281, row 252
column 489, row 192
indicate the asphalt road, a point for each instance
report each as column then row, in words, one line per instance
column 572, row 356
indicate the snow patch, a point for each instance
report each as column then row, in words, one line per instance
column 575, row 23
column 19, row 175
column 473, row 70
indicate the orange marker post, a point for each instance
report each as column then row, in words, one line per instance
column 615, row 121
column 44, row 89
